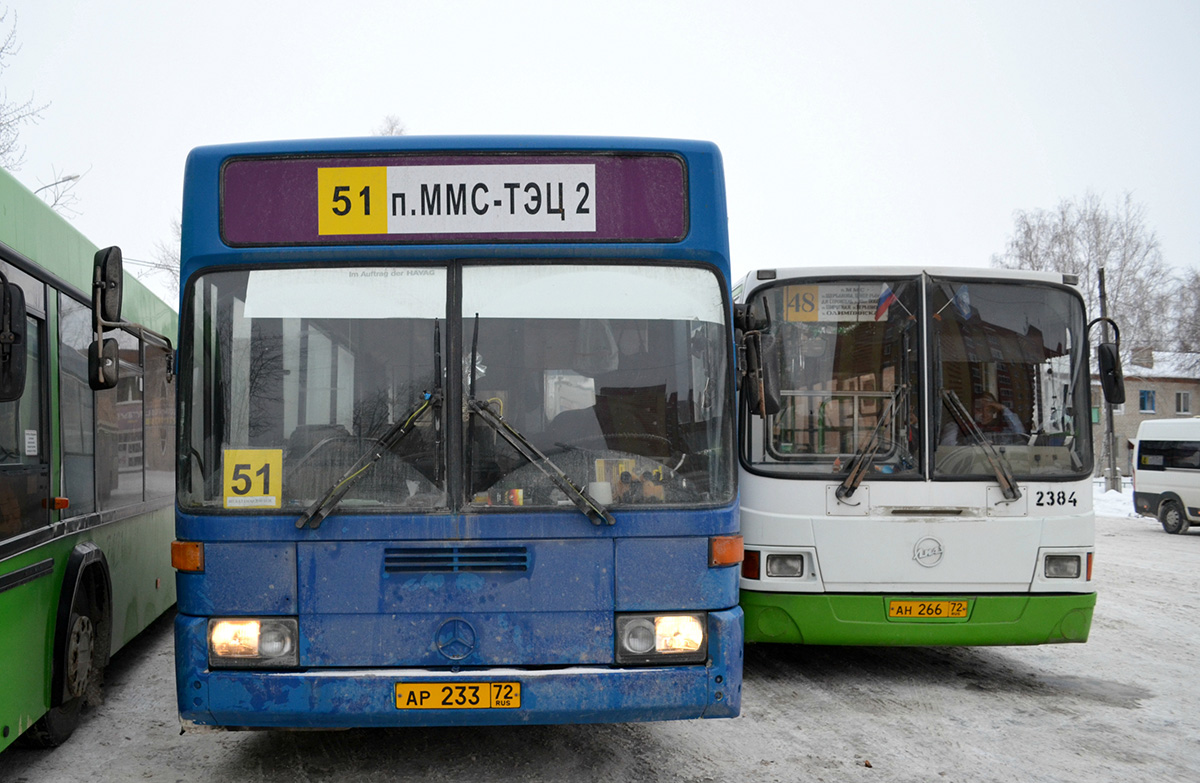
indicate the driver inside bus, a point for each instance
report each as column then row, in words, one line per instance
column 996, row 420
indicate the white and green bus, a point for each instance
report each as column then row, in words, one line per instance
column 916, row 457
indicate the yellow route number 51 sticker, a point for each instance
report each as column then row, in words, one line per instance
column 253, row 478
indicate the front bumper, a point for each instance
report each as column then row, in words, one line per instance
column 861, row 620
column 351, row 698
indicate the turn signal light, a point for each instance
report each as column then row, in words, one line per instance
column 724, row 551
column 187, row 555
column 750, row 566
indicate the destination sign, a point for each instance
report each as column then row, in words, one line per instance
column 496, row 199
column 454, row 199
column 836, row 302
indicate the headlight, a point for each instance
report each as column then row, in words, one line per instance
column 785, row 565
column 662, row 638
column 1062, row 566
column 253, row 643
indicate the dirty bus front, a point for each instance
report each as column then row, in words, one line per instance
column 456, row 442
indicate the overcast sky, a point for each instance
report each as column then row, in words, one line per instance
column 852, row 132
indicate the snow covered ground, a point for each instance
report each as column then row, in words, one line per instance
column 1115, row 504
column 1123, row 707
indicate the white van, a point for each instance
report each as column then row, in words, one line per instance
column 1166, row 472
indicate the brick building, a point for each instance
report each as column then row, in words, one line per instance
column 1158, row 385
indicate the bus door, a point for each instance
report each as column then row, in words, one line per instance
column 24, row 452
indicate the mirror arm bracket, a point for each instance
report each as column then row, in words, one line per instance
column 1107, row 322
column 100, row 325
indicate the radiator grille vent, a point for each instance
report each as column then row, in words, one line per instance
column 452, row 559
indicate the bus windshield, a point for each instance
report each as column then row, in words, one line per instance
column 925, row 376
column 1012, row 356
column 616, row 383
column 850, row 375
column 300, row 372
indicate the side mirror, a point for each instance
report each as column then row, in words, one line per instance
column 103, row 363
column 108, row 279
column 746, row 320
column 103, row 355
column 12, row 341
column 758, row 360
column 1112, row 380
column 762, row 375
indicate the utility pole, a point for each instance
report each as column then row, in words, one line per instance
column 1112, row 478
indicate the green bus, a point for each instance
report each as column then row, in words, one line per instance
column 87, row 432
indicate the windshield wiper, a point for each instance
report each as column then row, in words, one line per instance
column 591, row 508
column 315, row 514
column 962, row 417
column 861, row 462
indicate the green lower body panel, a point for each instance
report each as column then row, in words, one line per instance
column 863, row 619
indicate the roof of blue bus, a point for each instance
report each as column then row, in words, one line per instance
column 383, row 144
column 707, row 240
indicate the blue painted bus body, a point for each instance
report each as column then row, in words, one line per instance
column 553, row 621
column 358, row 698
column 371, row 611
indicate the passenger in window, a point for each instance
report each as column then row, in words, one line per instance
column 996, row 420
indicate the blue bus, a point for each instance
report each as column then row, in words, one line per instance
column 456, row 434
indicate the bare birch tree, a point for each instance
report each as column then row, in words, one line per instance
column 391, row 126
column 1187, row 320
column 166, row 259
column 1082, row 236
column 13, row 114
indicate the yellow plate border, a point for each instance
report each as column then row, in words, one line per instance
column 964, row 613
column 456, row 695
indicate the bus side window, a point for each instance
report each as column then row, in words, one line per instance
column 24, row 473
column 77, row 407
column 119, row 430
column 159, row 446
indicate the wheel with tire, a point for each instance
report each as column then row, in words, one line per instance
column 1172, row 516
column 82, row 670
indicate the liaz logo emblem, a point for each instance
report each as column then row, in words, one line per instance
column 928, row 552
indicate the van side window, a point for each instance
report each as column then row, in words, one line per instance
column 1168, row 454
